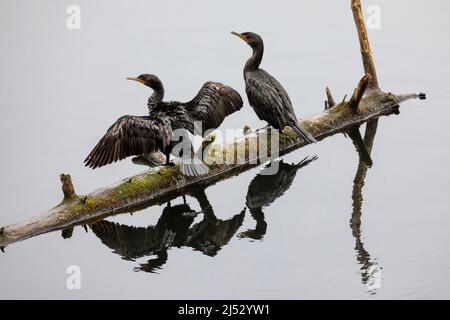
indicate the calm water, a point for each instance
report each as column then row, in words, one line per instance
column 305, row 233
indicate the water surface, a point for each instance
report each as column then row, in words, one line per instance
column 315, row 234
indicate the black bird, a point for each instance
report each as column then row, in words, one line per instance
column 141, row 135
column 265, row 94
column 264, row 189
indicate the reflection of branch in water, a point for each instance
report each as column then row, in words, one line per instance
column 369, row 269
column 358, row 142
column 265, row 189
column 173, row 229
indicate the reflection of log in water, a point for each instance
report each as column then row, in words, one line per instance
column 369, row 269
column 264, row 189
column 173, row 229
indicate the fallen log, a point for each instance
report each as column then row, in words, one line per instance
column 162, row 184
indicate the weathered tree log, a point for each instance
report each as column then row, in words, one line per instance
column 162, row 184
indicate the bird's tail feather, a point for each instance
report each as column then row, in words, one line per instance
column 193, row 167
column 304, row 134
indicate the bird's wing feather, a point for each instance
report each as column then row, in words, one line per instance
column 130, row 135
column 176, row 114
column 269, row 99
column 213, row 103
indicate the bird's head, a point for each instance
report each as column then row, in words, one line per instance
column 150, row 80
column 252, row 39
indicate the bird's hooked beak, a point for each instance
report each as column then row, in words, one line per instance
column 135, row 79
column 237, row 34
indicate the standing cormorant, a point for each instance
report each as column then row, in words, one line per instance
column 140, row 135
column 265, row 94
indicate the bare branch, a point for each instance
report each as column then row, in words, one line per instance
column 366, row 53
column 330, row 100
column 359, row 92
column 67, row 186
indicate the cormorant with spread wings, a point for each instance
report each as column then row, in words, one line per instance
column 138, row 135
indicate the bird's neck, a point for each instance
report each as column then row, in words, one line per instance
column 156, row 97
column 255, row 60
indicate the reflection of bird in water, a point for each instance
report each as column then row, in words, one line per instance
column 136, row 242
column 211, row 234
column 264, row 189
column 173, row 229
column 143, row 135
column 265, row 94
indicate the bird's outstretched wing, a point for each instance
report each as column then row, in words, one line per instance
column 128, row 136
column 213, row 103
